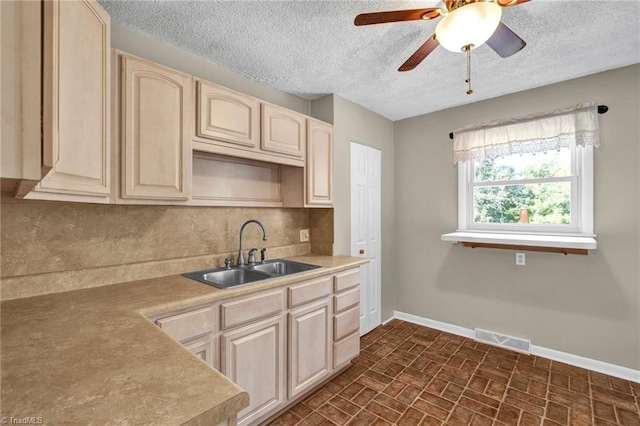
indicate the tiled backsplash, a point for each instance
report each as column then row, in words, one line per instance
column 49, row 247
column 321, row 223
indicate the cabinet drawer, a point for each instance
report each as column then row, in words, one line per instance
column 248, row 309
column 346, row 349
column 189, row 324
column 346, row 323
column 346, row 279
column 308, row 291
column 346, row 299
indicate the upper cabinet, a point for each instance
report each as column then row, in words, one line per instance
column 83, row 122
column 20, row 95
column 76, row 101
column 155, row 137
column 319, row 170
column 238, row 125
column 227, row 116
column 283, row 131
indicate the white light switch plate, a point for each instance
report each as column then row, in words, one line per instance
column 304, row 235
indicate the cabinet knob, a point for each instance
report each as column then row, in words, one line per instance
column 361, row 251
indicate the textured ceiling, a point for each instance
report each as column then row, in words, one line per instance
column 312, row 48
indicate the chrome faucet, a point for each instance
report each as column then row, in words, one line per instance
column 240, row 261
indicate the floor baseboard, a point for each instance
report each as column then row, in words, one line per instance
column 575, row 360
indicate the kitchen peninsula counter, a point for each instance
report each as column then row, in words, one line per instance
column 93, row 357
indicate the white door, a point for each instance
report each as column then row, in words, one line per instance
column 365, row 229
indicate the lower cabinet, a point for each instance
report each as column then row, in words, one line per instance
column 309, row 346
column 204, row 350
column 276, row 344
column 195, row 330
column 253, row 357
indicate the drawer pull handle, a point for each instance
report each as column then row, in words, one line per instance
column 361, row 251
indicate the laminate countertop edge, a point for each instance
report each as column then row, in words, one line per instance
column 93, row 355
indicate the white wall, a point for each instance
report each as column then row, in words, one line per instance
column 584, row 305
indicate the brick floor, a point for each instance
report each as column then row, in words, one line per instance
column 412, row 375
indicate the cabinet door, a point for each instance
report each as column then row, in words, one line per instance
column 156, row 146
column 309, row 346
column 76, row 98
column 283, row 131
column 229, row 116
column 253, row 358
column 20, row 94
column 319, row 163
column 204, row 349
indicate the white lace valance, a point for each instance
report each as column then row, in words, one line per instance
column 575, row 125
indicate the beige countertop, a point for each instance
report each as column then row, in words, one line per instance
column 92, row 356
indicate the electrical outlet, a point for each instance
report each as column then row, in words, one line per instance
column 520, row 259
column 304, row 235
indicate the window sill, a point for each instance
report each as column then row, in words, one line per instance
column 546, row 243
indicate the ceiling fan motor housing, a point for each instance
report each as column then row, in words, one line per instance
column 470, row 25
column 455, row 4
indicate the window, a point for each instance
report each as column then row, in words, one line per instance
column 531, row 193
column 528, row 180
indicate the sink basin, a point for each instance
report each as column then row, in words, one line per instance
column 225, row 278
column 283, row 267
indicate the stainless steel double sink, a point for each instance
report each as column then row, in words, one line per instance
column 225, row 278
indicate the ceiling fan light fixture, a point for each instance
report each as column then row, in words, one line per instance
column 471, row 24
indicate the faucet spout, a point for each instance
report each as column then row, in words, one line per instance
column 240, row 261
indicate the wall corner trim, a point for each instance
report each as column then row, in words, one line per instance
column 575, row 360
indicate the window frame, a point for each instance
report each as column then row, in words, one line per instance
column 581, row 201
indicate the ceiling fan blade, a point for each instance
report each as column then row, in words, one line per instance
column 397, row 16
column 509, row 3
column 505, row 42
column 419, row 55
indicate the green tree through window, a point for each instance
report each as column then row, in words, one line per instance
column 547, row 202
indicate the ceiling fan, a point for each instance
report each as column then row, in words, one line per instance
column 465, row 25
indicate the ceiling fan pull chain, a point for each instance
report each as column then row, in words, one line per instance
column 468, row 80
